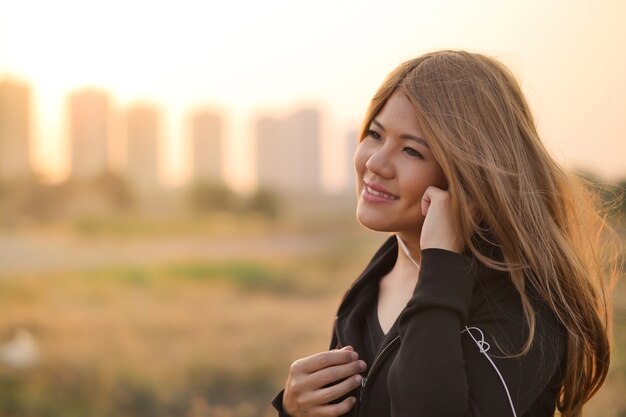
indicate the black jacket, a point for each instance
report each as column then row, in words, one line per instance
column 429, row 366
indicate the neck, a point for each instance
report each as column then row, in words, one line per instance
column 409, row 253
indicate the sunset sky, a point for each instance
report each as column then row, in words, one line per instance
column 244, row 57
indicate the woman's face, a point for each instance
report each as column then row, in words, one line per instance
column 394, row 166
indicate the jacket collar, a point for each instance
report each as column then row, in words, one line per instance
column 362, row 296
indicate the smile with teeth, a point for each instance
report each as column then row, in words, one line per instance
column 379, row 194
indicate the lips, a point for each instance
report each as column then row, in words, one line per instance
column 379, row 191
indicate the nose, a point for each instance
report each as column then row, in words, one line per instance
column 380, row 163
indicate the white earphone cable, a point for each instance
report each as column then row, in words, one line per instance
column 483, row 346
column 406, row 251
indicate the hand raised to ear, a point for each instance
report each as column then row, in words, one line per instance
column 440, row 228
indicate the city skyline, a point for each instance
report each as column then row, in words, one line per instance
column 116, row 148
column 128, row 141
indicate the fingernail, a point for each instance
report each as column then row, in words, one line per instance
column 362, row 365
column 354, row 356
column 358, row 378
column 346, row 348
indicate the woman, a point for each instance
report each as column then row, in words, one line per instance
column 488, row 299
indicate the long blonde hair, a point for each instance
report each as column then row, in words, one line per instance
column 545, row 222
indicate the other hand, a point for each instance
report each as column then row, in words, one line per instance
column 308, row 391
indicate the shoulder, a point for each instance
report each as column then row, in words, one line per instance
column 498, row 308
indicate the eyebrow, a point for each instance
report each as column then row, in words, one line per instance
column 404, row 136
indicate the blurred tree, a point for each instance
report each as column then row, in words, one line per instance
column 265, row 202
column 28, row 199
column 612, row 195
column 42, row 202
column 210, row 197
column 115, row 189
column 622, row 195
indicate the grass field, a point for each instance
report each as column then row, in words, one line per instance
column 187, row 337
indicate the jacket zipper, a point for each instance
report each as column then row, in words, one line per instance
column 380, row 354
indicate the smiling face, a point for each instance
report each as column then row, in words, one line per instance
column 394, row 166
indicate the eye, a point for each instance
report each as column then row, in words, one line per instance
column 412, row 152
column 373, row 134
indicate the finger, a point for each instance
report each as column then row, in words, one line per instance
column 427, row 199
column 335, row 373
column 323, row 360
column 425, row 204
column 431, row 196
column 330, row 393
column 334, row 410
column 433, row 192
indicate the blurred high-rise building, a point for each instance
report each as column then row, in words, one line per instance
column 288, row 152
column 270, row 163
column 142, row 147
column 14, row 130
column 207, row 147
column 352, row 142
column 89, row 119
